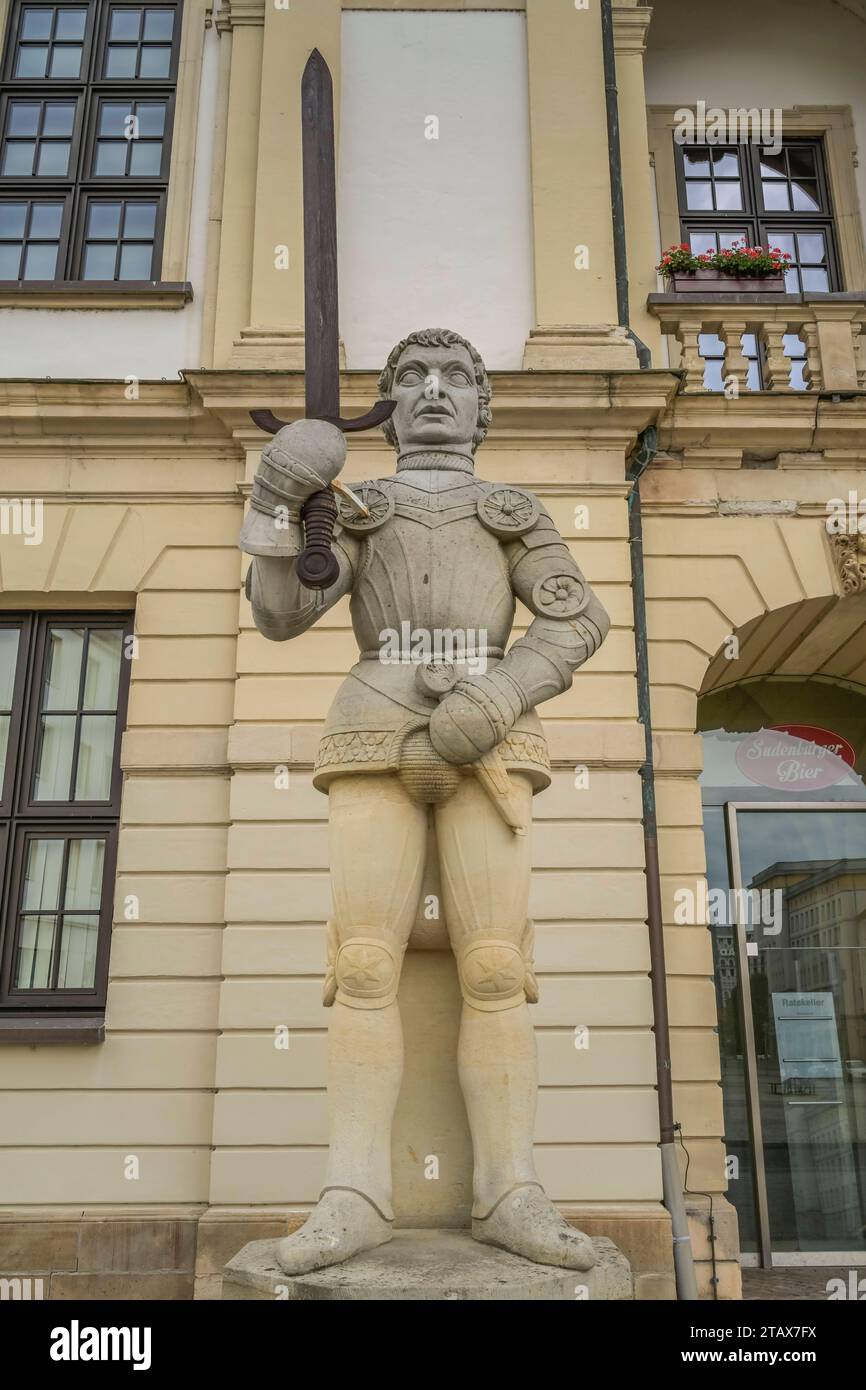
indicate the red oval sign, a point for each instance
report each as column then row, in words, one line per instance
column 795, row 757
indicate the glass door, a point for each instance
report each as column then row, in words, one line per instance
column 798, row 881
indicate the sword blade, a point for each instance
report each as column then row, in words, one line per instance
column 321, row 328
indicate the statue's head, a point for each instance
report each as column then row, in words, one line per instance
column 442, row 392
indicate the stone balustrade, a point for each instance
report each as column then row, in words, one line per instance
column 769, row 342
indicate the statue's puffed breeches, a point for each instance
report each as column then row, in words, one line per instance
column 375, row 826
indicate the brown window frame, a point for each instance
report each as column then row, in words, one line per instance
column 80, row 186
column 23, row 819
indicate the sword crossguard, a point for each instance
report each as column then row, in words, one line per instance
column 317, row 566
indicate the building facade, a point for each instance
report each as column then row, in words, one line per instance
column 164, row 856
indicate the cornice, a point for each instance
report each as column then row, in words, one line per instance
column 236, row 14
column 764, row 424
column 540, row 408
column 630, row 26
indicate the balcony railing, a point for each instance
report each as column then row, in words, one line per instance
column 767, row 342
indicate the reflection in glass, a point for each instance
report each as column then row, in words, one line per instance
column 95, row 750
column 84, row 875
column 54, row 768
column 32, row 968
column 63, row 668
column 78, row 942
column 42, row 872
column 103, row 669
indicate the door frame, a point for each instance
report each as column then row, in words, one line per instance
column 765, row 1257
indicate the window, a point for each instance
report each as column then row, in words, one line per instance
column 744, row 195
column 86, row 110
column 63, row 688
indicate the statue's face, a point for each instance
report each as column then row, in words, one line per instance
column 437, row 399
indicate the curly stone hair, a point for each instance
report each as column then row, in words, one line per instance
column 439, row 337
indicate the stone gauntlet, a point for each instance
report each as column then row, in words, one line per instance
column 476, row 716
column 301, row 459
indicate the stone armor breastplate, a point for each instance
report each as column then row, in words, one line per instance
column 431, row 579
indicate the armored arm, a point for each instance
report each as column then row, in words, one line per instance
column 569, row 625
column 282, row 606
column 301, row 459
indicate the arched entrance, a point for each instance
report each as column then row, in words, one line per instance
column 784, row 806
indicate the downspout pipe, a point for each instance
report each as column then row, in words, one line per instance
column 620, row 257
column 672, row 1187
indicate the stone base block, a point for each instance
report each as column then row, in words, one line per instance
column 596, row 347
column 429, row 1265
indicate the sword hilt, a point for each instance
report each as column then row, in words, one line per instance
column 317, row 566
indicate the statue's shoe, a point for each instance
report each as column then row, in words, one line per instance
column 527, row 1223
column 342, row 1225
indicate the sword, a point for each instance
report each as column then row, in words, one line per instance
column 317, row 566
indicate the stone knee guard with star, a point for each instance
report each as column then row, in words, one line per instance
column 363, row 972
column 496, row 972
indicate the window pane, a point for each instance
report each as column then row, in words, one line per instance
column 9, row 638
column 36, row 24
column 103, row 221
column 702, row 241
column 35, row 942
column 10, row 260
column 726, row 164
column 95, row 758
column 784, row 241
column 146, row 158
column 31, row 62
column 773, row 166
column 155, row 61
column 728, row 240
column 45, row 220
column 112, row 118
column 805, row 197
column 99, row 262
column 714, row 379
column 140, row 220
column 84, row 875
column 120, row 62
column 151, row 118
column 53, row 158
column 776, row 197
column 59, row 118
column 699, row 195
column 801, row 162
column 66, row 61
column 55, row 758
column 125, row 24
column 40, row 262
column 18, row 157
column 23, row 118
column 729, row 195
column 42, row 870
column 815, row 279
column 158, row 24
column 811, row 248
column 696, row 163
column 135, row 262
column 70, row 24
column 63, row 668
column 12, row 218
column 78, row 943
column 103, row 669
column 111, row 158
column 4, row 745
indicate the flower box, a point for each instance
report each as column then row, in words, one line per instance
column 708, row 281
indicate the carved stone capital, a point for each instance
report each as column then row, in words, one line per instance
column 849, row 557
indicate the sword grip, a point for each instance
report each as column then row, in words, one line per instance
column 317, row 566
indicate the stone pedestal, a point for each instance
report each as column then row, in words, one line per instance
column 429, row 1265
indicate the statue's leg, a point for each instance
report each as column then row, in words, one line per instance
column 485, row 871
column 378, row 840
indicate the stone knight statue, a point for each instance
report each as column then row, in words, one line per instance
column 447, row 730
